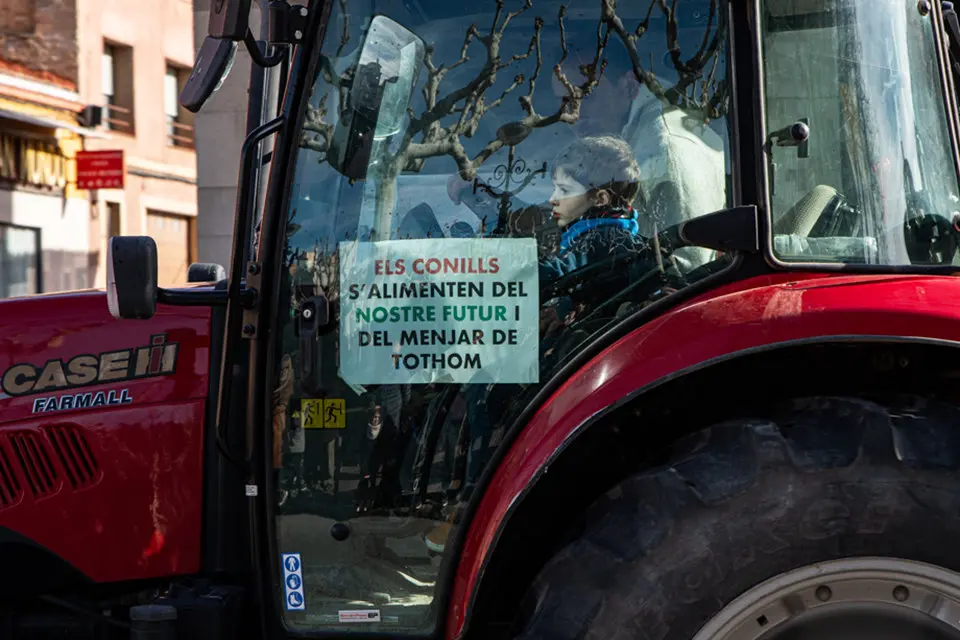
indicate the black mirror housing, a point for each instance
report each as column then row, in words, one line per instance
column 206, row 272
column 132, row 288
column 381, row 83
column 228, row 19
column 213, row 63
column 351, row 146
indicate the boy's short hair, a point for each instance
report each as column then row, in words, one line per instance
column 603, row 162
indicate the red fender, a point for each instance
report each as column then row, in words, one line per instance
column 760, row 312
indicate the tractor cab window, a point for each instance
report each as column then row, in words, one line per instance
column 859, row 155
column 482, row 189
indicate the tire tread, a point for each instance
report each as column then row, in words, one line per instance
column 617, row 568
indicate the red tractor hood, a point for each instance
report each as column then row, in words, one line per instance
column 101, row 436
column 56, row 349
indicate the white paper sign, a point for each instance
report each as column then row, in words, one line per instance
column 447, row 310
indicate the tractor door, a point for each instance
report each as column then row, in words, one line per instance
column 480, row 191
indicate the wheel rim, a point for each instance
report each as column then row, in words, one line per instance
column 854, row 598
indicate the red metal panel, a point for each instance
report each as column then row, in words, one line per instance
column 750, row 314
column 115, row 490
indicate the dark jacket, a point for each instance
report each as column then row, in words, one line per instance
column 606, row 247
column 601, row 234
column 596, row 240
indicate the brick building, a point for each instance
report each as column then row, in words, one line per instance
column 56, row 58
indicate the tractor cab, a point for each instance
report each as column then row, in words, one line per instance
column 468, row 202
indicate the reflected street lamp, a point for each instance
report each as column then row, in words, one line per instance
column 511, row 134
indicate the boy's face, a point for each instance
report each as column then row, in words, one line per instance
column 569, row 200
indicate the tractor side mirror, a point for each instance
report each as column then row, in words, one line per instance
column 206, row 272
column 132, row 287
column 228, row 24
column 228, row 19
column 381, row 87
column 211, row 68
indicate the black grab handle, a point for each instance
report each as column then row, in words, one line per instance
column 314, row 315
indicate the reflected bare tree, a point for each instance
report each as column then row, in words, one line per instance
column 426, row 137
column 317, row 133
column 697, row 90
column 451, row 116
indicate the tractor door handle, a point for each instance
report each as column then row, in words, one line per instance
column 314, row 315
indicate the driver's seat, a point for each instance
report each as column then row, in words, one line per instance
column 792, row 230
column 800, row 219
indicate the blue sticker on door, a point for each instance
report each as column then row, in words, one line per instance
column 293, row 582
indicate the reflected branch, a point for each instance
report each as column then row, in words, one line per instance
column 710, row 101
column 451, row 115
column 322, row 132
column 469, row 101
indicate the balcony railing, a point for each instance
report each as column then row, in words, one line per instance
column 118, row 118
column 180, row 135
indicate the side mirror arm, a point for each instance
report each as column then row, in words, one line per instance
column 253, row 48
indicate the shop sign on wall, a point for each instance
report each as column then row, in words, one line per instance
column 32, row 162
column 100, row 169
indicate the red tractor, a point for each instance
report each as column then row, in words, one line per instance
column 555, row 320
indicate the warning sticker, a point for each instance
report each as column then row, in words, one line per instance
column 293, row 582
column 326, row 413
column 361, row 615
column 432, row 311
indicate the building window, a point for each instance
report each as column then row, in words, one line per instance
column 19, row 261
column 117, row 83
column 179, row 120
column 114, row 221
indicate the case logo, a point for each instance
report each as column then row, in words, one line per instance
column 159, row 358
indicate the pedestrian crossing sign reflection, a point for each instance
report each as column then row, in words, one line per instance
column 325, row 413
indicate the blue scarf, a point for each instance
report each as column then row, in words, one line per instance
column 582, row 225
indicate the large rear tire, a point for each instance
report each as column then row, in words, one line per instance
column 740, row 505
